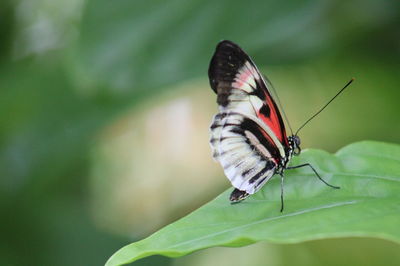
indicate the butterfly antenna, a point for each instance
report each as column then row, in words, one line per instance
column 320, row 110
column 279, row 103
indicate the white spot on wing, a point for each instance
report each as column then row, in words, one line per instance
column 245, row 78
column 254, row 140
column 252, row 70
column 256, row 102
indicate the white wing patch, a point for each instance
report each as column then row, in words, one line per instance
column 246, row 162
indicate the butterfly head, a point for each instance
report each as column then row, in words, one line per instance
column 294, row 143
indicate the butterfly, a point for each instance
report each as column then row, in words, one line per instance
column 248, row 136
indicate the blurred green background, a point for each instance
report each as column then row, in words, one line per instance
column 105, row 108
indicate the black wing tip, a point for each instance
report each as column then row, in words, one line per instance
column 238, row 195
column 227, row 44
column 220, row 59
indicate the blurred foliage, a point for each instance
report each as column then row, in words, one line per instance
column 133, row 43
column 72, row 70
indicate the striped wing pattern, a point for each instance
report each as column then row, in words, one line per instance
column 247, row 133
column 246, row 161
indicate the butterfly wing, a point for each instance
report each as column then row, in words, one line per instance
column 248, row 136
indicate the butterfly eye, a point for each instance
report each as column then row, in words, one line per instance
column 296, row 141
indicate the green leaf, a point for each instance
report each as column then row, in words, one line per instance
column 367, row 205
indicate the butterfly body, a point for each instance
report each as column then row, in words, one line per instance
column 248, row 136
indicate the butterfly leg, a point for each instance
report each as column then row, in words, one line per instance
column 316, row 173
column 281, row 192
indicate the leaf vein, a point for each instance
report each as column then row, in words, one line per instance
column 396, row 179
column 339, row 204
